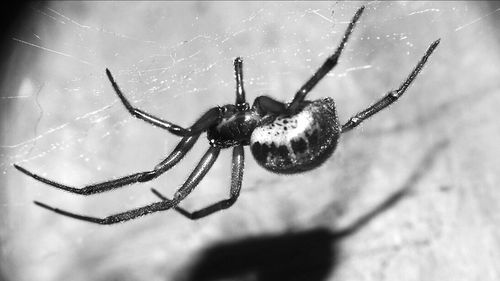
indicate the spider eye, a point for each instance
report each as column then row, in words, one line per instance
column 243, row 106
column 227, row 110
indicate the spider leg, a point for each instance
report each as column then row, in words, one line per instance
column 236, row 179
column 208, row 119
column 328, row 65
column 175, row 156
column 265, row 105
column 390, row 97
column 238, row 71
column 194, row 178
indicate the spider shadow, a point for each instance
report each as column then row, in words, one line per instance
column 307, row 255
column 310, row 255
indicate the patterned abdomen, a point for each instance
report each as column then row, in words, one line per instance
column 299, row 142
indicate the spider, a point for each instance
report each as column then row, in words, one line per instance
column 284, row 138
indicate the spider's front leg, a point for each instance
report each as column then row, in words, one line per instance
column 203, row 123
column 236, row 179
column 175, row 156
column 192, row 181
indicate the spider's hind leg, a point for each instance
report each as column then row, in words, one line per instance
column 266, row 105
column 236, row 179
column 327, row 66
column 392, row 96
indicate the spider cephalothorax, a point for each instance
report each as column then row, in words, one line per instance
column 284, row 138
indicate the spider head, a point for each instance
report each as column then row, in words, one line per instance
column 235, row 126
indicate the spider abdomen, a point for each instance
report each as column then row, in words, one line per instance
column 298, row 142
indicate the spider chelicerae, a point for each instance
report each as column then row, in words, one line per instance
column 284, row 138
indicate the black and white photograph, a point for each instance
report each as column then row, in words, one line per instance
column 250, row 141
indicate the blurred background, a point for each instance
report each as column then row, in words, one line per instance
column 60, row 118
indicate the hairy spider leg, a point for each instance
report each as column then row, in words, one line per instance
column 175, row 156
column 192, row 181
column 266, row 105
column 236, row 179
column 240, row 90
column 262, row 104
column 208, row 119
column 327, row 66
column 392, row 96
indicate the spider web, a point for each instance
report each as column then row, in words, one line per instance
column 61, row 118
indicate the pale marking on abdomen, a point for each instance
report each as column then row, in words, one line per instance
column 283, row 130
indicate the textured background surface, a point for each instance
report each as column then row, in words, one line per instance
column 61, row 118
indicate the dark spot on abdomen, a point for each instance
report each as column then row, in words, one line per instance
column 257, row 152
column 299, row 145
column 313, row 138
column 283, row 151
